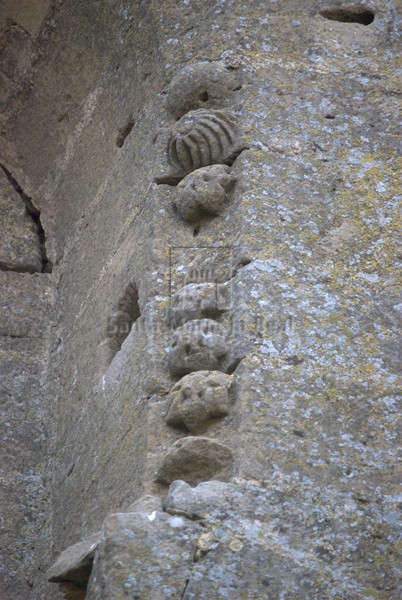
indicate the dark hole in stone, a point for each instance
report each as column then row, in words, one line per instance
column 196, row 230
column 329, row 116
column 233, row 365
column 70, row 470
column 167, row 180
column 123, row 133
column 243, row 262
column 298, row 432
column 204, row 97
column 363, row 16
column 294, row 360
column 122, row 320
column 236, row 89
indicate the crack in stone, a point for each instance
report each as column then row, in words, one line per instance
column 34, row 214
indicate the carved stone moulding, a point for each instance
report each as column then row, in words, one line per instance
column 204, row 192
column 197, row 399
column 196, row 459
column 199, row 85
column 202, row 138
column 198, row 345
column 197, row 301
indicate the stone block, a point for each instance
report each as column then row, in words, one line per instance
column 197, row 398
column 198, row 345
column 196, row 459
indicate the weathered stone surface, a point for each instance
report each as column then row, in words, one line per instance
column 16, row 51
column 313, row 234
column 201, row 85
column 26, row 14
column 197, row 301
column 204, row 192
column 198, row 345
column 197, row 398
column 146, row 503
column 143, row 555
column 196, row 459
column 19, row 247
column 25, row 300
column 205, row 500
column 72, row 592
column 75, row 563
column 201, row 138
column 251, row 530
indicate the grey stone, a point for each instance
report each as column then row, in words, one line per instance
column 143, row 556
column 19, row 247
column 196, row 459
column 198, row 345
column 74, row 565
column 201, row 138
column 146, row 503
column 314, row 312
column 197, row 398
column 209, row 498
column 200, row 85
column 204, row 192
column 197, row 301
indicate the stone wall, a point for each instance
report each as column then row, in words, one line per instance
column 282, row 260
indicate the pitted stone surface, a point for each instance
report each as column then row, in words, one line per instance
column 201, row 85
column 312, row 225
column 204, row 192
column 197, row 398
column 196, row 301
column 143, row 555
column 198, row 345
column 196, row 459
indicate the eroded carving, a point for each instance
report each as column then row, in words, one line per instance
column 197, row 398
column 198, row 345
column 196, row 459
column 119, row 324
column 202, row 138
column 199, row 85
column 197, row 301
column 204, row 192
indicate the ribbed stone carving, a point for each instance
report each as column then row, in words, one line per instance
column 202, row 138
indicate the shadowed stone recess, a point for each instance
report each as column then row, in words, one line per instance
column 74, row 565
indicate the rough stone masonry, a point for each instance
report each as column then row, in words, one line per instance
column 200, row 299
